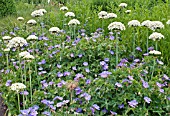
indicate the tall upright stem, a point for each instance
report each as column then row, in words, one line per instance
column 18, row 101
column 117, row 50
column 153, row 68
column 30, row 82
column 156, row 45
column 74, row 31
column 147, row 40
column 134, row 37
column 7, row 61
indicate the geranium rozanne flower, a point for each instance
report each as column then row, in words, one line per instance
column 147, row 99
column 133, row 103
column 105, row 74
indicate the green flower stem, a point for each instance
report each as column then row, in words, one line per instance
column 74, row 31
column 30, row 82
column 102, row 23
column 153, row 68
column 156, row 45
column 147, row 40
column 71, row 96
column 61, row 50
column 35, row 63
column 7, row 62
column 117, row 50
column 63, row 21
column 18, row 101
column 70, row 31
column 134, row 38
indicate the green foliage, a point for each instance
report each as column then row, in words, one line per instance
column 93, row 48
column 7, row 7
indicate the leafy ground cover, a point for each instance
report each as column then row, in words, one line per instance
column 90, row 63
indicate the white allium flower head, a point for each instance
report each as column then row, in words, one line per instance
column 16, row 42
column 146, row 23
column 122, row 5
column 168, row 22
column 128, row 11
column 29, row 57
column 43, row 11
column 154, row 52
column 17, row 87
column 37, row 13
column 54, row 30
column 6, row 37
column 102, row 14
column 156, row 36
column 32, row 22
column 111, row 15
column 20, row 18
column 69, row 14
column 63, row 8
column 116, row 26
column 156, row 25
column 74, row 22
column 6, row 50
column 134, row 23
column 105, row 17
column 32, row 37
column 24, row 53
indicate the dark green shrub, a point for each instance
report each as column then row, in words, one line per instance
column 7, row 7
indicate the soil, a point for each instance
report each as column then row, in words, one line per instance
column 2, row 107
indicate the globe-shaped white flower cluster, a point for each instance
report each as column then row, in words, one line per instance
column 116, row 26
column 16, row 42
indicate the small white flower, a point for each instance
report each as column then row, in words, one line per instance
column 69, row 14
column 102, row 14
column 20, row 18
column 74, row 22
column 116, row 26
column 156, row 25
column 32, row 22
column 54, row 30
column 154, row 52
column 6, row 50
column 29, row 57
column 146, row 23
column 128, row 11
column 123, row 5
column 32, row 37
column 17, row 87
column 16, row 42
column 168, row 22
column 134, row 23
column 6, row 37
column 63, row 8
column 111, row 15
column 156, row 36
column 24, row 53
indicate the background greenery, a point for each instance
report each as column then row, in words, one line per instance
column 144, row 10
column 86, row 11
